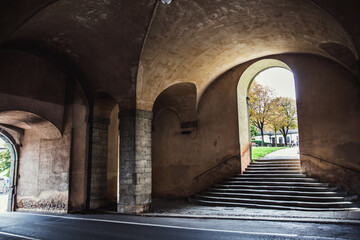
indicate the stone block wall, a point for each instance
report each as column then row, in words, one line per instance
column 99, row 151
column 135, row 161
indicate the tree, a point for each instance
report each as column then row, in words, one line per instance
column 288, row 118
column 5, row 162
column 253, row 131
column 276, row 117
column 259, row 100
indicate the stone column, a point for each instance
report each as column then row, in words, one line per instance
column 135, row 161
column 99, row 162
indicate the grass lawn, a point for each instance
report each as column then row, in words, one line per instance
column 258, row 152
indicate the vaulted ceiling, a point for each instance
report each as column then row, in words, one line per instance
column 139, row 48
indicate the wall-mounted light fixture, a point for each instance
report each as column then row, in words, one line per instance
column 166, row 1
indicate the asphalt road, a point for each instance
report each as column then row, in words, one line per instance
column 16, row 225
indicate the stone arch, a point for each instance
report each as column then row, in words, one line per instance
column 181, row 98
column 27, row 120
column 41, row 161
column 13, row 148
column 243, row 115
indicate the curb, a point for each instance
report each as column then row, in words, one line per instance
column 260, row 218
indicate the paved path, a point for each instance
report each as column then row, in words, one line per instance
column 17, row 225
column 287, row 153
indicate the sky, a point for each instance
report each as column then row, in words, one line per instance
column 279, row 79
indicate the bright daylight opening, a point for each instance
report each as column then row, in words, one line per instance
column 273, row 115
column 5, row 163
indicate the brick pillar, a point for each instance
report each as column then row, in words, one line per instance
column 99, row 162
column 135, row 161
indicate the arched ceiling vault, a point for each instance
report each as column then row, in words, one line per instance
column 131, row 49
column 102, row 39
column 196, row 41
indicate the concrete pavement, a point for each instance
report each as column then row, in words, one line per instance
column 286, row 153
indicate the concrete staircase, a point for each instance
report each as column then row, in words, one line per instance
column 276, row 184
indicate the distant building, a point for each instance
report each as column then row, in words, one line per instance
column 269, row 137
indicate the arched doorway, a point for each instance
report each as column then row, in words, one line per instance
column 242, row 100
column 273, row 114
column 9, row 161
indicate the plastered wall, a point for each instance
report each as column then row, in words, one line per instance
column 180, row 155
column 328, row 98
column 43, row 175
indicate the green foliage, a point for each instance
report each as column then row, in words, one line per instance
column 5, row 162
column 259, row 152
column 253, row 131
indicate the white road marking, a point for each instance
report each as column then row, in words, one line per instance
column 162, row 226
column 176, row 227
column 18, row 236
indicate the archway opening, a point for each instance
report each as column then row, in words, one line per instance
column 8, row 157
column 243, row 104
column 273, row 114
column 43, row 162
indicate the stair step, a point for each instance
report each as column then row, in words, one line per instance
column 276, row 162
column 237, row 183
column 281, row 164
column 272, row 168
column 274, row 172
column 276, row 187
column 277, row 202
column 272, row 191
column 276, row 184
column 284, row 196
column 351, row 197
column 273, row 178
column 252, row 205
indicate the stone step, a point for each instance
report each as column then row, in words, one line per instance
column 271, row 164
column 267, row 163
column 276, row 162
column 276, row 184
column 284, row 196
column 289, row 191
column 250, row 168
column 272, row 178
column 267, row 206
column 302, row 184
column 295, row 203
column 276, row 187
column 273, row 172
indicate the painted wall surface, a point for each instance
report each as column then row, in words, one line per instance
column 43, row 175
column 328, row 103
